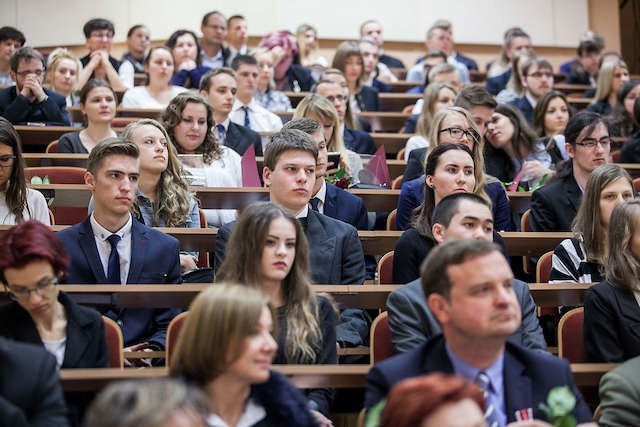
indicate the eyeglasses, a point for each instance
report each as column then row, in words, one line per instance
column 458, row 134
column 106, row 35
column 25, row 73
column 6, row 160
column 539, row 75
column 19, row 293
column 590, row 143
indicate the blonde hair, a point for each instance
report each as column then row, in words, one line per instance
column 350, row 120
column 622, row 268
column 429, row 99
column 213, row 335
column 605, row 79
column 172, row 191
column 307, row 59
column 316, row 105
column 54, row 58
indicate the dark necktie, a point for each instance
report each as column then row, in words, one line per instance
column 314, row 204
column 247, row 124
column 222, row 134
column 490, row 414
column 113, row 266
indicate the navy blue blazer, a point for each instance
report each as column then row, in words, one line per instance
column 496, row 84
column 18, row 110
column 390, row 61
column 239, row 138
column 528, row 375
column 86, row 345
column 30, row 391
column 154, row 260
column 555, row 205
column 351, row 208
column 468, row 62
column 359, row 141
column 301, row 75
column 412, row 195
column 368, row 99
column 335, row 252
column 523, row 105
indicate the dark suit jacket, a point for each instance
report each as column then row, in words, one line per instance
column 346, row 207
column 368, row 99
column 468, row 62
column 298, row 73
column 528, row 376
column 335, row 252
column 239, row 138
column 415, row 162
column 30, row 392
column 554, row 206
column 86, row 346
column 496, row 84
column 619, row 395
column 390, row 61
column 154, row 259
column 611, row 324
column 359, row 141
column 18, row 110
column 523, row 105
column 412, row 323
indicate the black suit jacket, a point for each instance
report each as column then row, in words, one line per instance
column 239, row 138
column 298, row 73
column 30, row 392
column 611, row 324
column 18, row 110
column 528, row 375
column 523, row 105
column 390, row 61
column 346, row 207
column 415, row 168
column 554, row 206
column 154, row 259
column 359, row 141
column 496, row 84
column 368, row 99
column 86, row 346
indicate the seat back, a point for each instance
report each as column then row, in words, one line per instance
column 52, row 147
column 615, row 156
column 571, row 336
column 396, row 184
column 636, row 185
column 173, row 332
column 525, row 225
column 381, row 344
column 203, row 257
column 385, row 269
column 391, row 220
column 115, row 343
column 543, row 268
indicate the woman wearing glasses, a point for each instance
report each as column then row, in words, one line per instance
column 554, row 206
column 513, row 153
column 17, row 202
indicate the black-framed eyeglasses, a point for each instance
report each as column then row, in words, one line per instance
column 590, row 143
column 458, row 134
column 6, row 160
column 25, row 73
column 20, row 293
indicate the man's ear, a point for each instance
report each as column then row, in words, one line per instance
column 89, row 179
column 438, row 230
column 570, row 150
column 266, row 176
column 439, row 307
column 204, row 94
column 13, row 76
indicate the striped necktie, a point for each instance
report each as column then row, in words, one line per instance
column 490, row 414
column 247, row 123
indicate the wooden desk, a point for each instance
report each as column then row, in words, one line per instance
column 385, row 121
column 572, row 89
column 392, row 142
column 396, row 102
column 302, row 376
column 55, row 159
column 519, row 201
column 554, row 295
column 580, row 103
column 77, row 117
column 36, row 138
column 402, row 86
column 520, row 243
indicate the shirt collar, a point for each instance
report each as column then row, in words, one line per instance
column 102, row 233
column 532, row 101
column 304, row 212
column 322, row 192
column 469, row 372
column 225, row 123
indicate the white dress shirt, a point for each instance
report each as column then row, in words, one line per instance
column 260, row 119
column 321, row 195
column 101, row 235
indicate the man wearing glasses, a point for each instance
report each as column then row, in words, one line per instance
column 27, row 101
column 537, row 79
column 99, row 63
column 214, row 31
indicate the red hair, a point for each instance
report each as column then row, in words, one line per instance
column 414, row 399
column 29, row 241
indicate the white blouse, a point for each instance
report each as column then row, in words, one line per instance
column 37, row 209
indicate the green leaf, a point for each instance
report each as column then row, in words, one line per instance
column 373, row 416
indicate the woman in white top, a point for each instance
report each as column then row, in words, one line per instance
column 158, row 91
column 436, row 97
column 62, row 74
column 188, row 120
column 17, row 202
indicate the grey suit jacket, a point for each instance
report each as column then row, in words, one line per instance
column 412, row 323
column 620, row 394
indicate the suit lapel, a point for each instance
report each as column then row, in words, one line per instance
column 88, row 245
column 139, row 242
column 628, row 306
column 322, row 244
column 330, row 201
column 517, row 386
column 571, row 187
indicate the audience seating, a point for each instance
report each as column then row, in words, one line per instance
column 543, row 268
column 52, row 147
column 525, row 225
column 391, row 220
column 173, row 332
column 380, row 336
column 115, row 343
column 203, row 257
column 615, row 156
column 571, row 336
column 385, row 269
column 64, row 215
column 636, row 185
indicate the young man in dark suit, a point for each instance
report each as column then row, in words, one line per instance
column 30, row 392
column 28, row 101
column 112, row 247
column 457, row 216
column 219, row 87
column 537, row 80
column 468, row 286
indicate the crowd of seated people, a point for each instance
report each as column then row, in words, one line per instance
column 463, row 309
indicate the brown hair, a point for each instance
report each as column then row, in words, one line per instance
column 542, row 106
column 288, row 140
column 109, row 147
column 622, row 268
column 16, row 191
